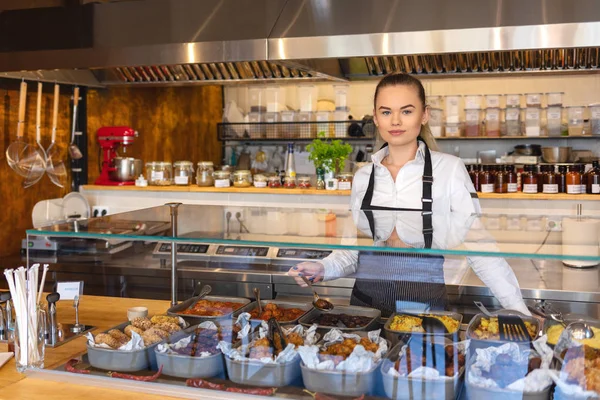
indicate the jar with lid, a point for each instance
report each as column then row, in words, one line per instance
column 242, row 178
column 204, row 174
column 550, row 180
column 500, row 184
column 183, row 172
column 159, row 173
column 593, row 179
column 289, row 182
column 222, row 179
column 562, row 179
column 260, row 181
column 486, row 179
column 529, row 179
column 304, row 182
column 511, row 179
column 573, row 180
column 274, row 181
column 345, row 181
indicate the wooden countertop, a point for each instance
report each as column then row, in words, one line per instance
column 102, row 312
column 198, row 189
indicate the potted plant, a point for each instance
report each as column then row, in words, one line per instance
column 327, row 157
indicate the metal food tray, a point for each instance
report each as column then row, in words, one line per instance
column 256, row 373
column 396, row 336
column 121, row 360
column 196, row 319
column 284, row 304
column 571, row 317
column 477, row 392
column 340, row 383
column 477, row 343
column 349, row 310
column 404, row 388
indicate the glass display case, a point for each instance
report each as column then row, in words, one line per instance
column 389, row 275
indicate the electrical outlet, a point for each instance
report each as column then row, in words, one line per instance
column 99, row 211
column 237, row 213
column 553, row 224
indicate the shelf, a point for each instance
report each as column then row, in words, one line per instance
column 520, row 138
column 540, row 196
column 198, row 189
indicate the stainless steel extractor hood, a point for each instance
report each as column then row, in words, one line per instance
column 175, row 42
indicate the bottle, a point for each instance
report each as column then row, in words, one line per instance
column 511, row 179
column 573, row 180
column 486, row 179
column 562, row 179
column 500, row 184
column 290, row 163
column 583, row 178
column 474, row 174
column 540, row 178
column 529, row 181
column 550, row 181
column 593, row 179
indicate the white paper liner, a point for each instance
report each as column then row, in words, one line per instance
column 536, row 381
column 170, row 347
column 360, row 360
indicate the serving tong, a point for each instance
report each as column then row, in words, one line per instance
column 273, row 331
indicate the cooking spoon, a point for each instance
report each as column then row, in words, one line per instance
column 204, row 292
column 16, row 150
column 55, row 167
column 35, row 161
column 74, row 150
column 318, row 303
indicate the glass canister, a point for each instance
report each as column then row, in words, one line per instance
column 204, row 174
column 533, row 99
column 492, row 100
column 472, row 122
column 492, row 121
column 260, row 181
column 513, row 121
column 222, row 179
column 554, row 98
column 345, row 181
column 435, row 101
column 242, row 178
column 452, row 109
column 575, row 120
column 183, row 172
column 304, row 182
column 554, row 120
column 453, row 130
column 472, row 102
column 513, row 100
column 595, row 118
column 436, row 121
column 532, row 121
column 159, row 173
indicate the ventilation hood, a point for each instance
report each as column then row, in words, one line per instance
column 182, row 42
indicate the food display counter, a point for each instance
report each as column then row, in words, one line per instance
column 357, row 349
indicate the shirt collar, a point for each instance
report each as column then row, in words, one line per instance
column 378, row 157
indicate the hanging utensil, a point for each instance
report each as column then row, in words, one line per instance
column 74, row 150
column 36, row 156
column 55, row 167
column 16, row 151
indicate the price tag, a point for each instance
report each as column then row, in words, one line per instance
column 554, row 115
column 512, row 115
column 533, row 99
column 493, row 101
column 513, row 100
column 68, row 290
column 492, row 116
column 532, row 115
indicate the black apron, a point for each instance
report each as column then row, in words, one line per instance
column 392, row 281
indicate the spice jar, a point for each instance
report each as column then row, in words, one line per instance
column 550, row 179
column 511, row 179
column 573, row 179
column 593, row 179
column 260, row 181
column 242, row 178
column 500, row 184
column 274, row 181
column 289, row 182
column 204, row 174
column 304, row 182
column 159, row 173
column 486, row 179
column 562, row 179
column 183, row 172
column 222, row 179
column 345, row 181
column 529, row 179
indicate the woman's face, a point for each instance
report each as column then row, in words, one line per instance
column 399, row 114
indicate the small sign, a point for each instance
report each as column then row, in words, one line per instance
column 68, row 290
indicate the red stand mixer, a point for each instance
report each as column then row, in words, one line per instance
column 116, row 170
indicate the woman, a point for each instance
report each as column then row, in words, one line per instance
column 409, row 177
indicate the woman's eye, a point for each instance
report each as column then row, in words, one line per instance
column 407, row 112
column 386, row 113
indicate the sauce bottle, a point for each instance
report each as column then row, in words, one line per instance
column 550, row 181
column 486, row 179
column 474, row 174
column 511, row 179
column 540, row 177
column 500, row 184
column 529, row 179
column 593, row 179
column 573, row 179
column 583, row 178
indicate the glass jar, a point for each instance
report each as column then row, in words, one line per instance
column 593, row 179
column 573, row 180
column 260, row 181
column 345, row 181
column 274, row 181
column 575, row 120
column 486, row 179
column 500, row 184
column 492, row 121
column 304, row 182
column 204, row 174
column 513, row 121
column 562, row 179
column 183, row 172
column 513, row 100
column 533, row 99
column 554, row 121
column 511, row 179
column 595, row 118
column 289, row 182
column 159, row 173
column 472, row 102
column 532, row 121
column 474, row 175
column 529, row 180
column 222, row 179
column 550, row 180
column 242, row 178
column 472, row 122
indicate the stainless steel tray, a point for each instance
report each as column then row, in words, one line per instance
column 396, row 336
column 349, row 310
column 476, row 392
column 570, row 317
column 477, row 343
column 340, row 383
column 255, row 373
column 196, row 319
column 281, row 303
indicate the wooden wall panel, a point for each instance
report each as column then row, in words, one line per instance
column 174, row 123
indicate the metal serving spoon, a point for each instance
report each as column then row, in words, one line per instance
column 318, row 303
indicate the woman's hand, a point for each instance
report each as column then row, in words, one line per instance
column 314, row 271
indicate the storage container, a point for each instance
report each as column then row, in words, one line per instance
column 307, row 98
column 513, row 100
column 159, row 173
column 452, row 109
column 472, row 122
column 287, row 129
column 492, row 121
column 533, row 99
column 554, row 120
column 242, row 179
column 595, row 118
column 204, row 174
column 184, row 172
column 575, row 114
column 533, row 121
column 256, row 99
column 554, row 98
column 341, row 96
column 472, row 102
column 513, row 121
column 453, row 130
column 492, row 100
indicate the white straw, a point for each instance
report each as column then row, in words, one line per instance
column 39, row 297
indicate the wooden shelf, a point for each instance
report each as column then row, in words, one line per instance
column 197, row 189
column 540, row 196
column 520, row 138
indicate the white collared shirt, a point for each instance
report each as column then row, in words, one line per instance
column 454, row 203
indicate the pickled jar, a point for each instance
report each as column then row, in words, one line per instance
column 242, row 178
column 511, row 179
column 159, row 173
column 573, row 180
column 260, row 181
column 304, row 182
column 550, row 179
column 274, row 182
column 529, row 179
column 204, row 174
column 345, row 181
column 487, row 179
column 183, row 172
column 289, row 182
column 222, row 179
